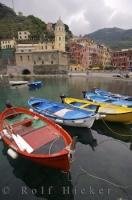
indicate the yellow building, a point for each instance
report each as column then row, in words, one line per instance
column 44, row 57
column 23, row 35
column 8, row 44
column 60, row 36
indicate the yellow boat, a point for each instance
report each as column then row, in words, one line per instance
column 111, row 112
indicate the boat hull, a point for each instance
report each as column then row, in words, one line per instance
column 87, row 122
column 35, row 85
column 36, row 139
column 122, row 117
column 14, row 83
column 113, row 99
column 61, row 162
column 111, row 113
column 66, row 115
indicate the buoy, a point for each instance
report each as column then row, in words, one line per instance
column 12, row 153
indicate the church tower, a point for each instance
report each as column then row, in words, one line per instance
column 60, row 36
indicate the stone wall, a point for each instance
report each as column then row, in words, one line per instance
column 50, row 69
column 24, row 59
column 41, row 62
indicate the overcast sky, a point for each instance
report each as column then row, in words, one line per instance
column 82, row 16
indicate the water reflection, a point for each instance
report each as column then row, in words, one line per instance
column 120, row 131
column 39, row 182
column 111, row 159
column 84, row 136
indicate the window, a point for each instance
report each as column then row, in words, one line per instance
column 34, row 62
column 45, row 47
column 52, row 47
column 21, row 58
column 52, row 62
column 59, row 38
column 42, row 62
column 28, row 58
column 22, row 50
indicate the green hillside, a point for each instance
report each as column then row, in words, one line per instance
column 10, row 24
column 115, row 38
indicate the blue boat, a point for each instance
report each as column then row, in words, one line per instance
column 62, row 113
column 110, row 94
column 35, row 84
column 99, row 95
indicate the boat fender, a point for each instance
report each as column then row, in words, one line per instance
column 59, row 121
column 12, row 153
column 31, row 109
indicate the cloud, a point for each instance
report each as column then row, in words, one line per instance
column 82, row 16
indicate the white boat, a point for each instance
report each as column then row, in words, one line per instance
column 63, row 114
column 13, row 83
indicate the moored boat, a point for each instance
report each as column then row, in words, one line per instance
column 111, row 112
column 35, row 84
column 14, row 83
column 35, row 137
column 98, row 95
column 63, row 114
column 106, row 93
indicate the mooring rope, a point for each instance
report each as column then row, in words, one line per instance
column 124, row 135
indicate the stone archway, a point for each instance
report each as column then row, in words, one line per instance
column 26, row 72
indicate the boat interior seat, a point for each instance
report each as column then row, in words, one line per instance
column 23, row 127
column 40, row 137
column 26, row 122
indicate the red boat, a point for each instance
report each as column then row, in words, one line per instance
column 35, row 137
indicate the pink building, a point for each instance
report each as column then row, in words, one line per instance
column 75, row 52
column 88, row 54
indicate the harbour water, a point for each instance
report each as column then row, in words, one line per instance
column 102, row 161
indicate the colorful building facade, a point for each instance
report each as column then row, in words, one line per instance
column 122, row 59
column 88, row 54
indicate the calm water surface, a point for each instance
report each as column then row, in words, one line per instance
column 102, row 163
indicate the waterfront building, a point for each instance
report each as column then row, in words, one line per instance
column 44, row 57
column 23, row 35
column 122, row 59
column 88, row 54
column 75, row 52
